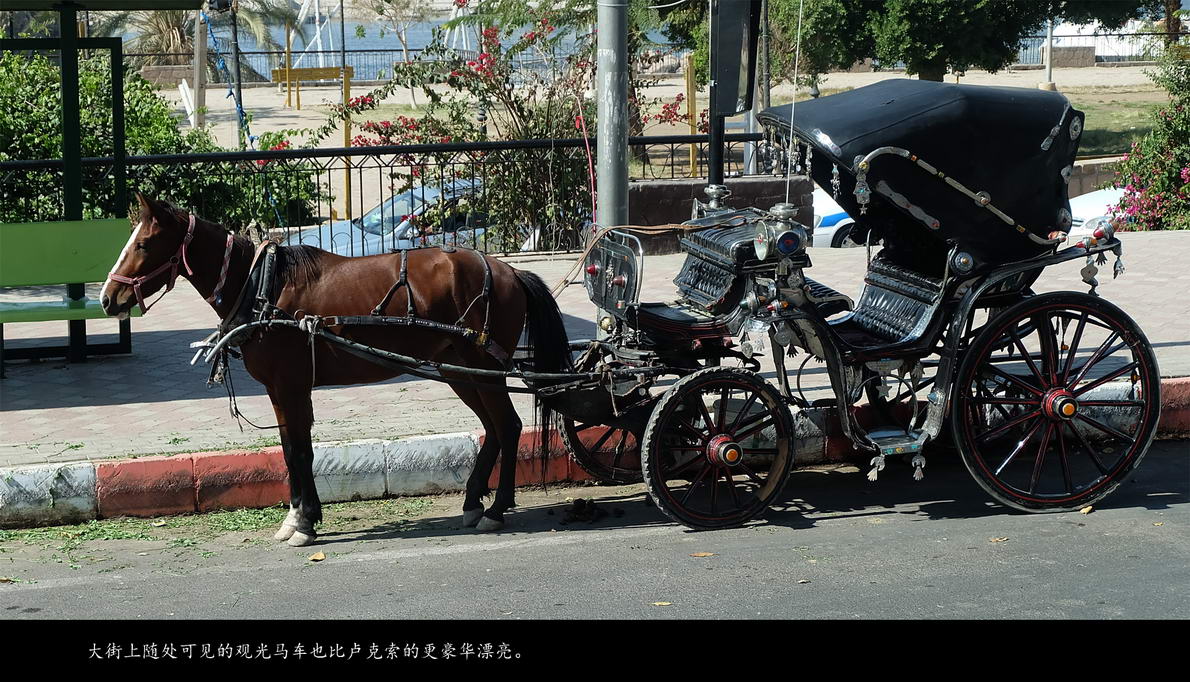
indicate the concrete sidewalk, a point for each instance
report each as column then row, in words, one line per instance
column 154, row 402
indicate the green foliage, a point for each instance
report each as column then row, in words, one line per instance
column 930, row 36
column 236, row 195
column 1155, row 174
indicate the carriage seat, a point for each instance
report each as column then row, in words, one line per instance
column 894, row 306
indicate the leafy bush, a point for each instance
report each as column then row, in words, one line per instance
column 235, row 194
column 1155, row 173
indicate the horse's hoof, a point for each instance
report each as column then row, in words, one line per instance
column 300, row 539
column 285, row 533
column 471, row 517
column 487, row 525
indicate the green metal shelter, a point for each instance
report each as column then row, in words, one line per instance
column 69, row 45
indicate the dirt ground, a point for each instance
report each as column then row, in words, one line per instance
column 267, row 104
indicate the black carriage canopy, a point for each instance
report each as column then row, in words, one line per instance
column 1017, row 145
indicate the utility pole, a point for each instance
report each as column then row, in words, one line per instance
column 200, row 70
column 612, row 91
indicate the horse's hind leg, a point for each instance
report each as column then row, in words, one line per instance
column 509, row 425
column 295, row 416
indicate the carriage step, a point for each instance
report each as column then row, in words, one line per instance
column 896, row 441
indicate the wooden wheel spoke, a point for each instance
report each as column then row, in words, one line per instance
column 620, row 449
column 706, row 416
column 583, row 427
column 1064, row 460
column 1016, row 340
column 1008, row 425
column 1106, row 378
column 1017, row 450
column 721, row 414
column 1111, row 403
column 735, row 496
column 694, row 483
column 765, row 423
column 686, row 464
column 1039, row 461
column 1090, row 450
column 1078, row 337
column 735, row 423
column 1105, row 428
column 1014, row 379
column 1094, row 359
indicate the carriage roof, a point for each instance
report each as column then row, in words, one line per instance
column 1016, row 144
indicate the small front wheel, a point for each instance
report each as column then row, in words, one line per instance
column 718, row 448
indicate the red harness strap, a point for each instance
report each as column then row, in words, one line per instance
column 171, row 265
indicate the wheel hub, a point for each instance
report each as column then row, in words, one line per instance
column 724, row 451
column 1060, row 405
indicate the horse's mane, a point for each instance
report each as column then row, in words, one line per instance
column 300, row 264
column 297, row 265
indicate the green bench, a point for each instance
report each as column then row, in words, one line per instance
column 67, row 253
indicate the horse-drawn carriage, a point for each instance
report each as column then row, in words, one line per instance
column 1050, row 399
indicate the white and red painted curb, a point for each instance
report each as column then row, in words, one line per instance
column 49, row 494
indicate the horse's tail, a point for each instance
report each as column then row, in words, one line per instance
column 546, row 335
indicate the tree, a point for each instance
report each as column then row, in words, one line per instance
column 400, row 15
column 931, row 37
column 1155, row 173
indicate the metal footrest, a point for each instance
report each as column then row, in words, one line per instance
column 896, row 441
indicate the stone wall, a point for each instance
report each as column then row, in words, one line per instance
column 1075, row 56
column 168, row 76
column 1091, row 175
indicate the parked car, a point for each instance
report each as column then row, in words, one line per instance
column 832, row 225
column 1089, row 211
column 399, row 223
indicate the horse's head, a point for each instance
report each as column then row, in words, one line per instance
column 150, row 259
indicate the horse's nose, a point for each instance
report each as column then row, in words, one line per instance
column 105, row 301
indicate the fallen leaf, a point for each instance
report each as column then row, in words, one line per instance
column 1086, row 510
column 997, row 539
column 702, row 554
column 6, row 580
column 803, row 581
column 662, row 603
column 157, row 524
column 317, row 556
column 1159, row 523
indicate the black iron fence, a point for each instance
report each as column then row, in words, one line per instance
column 495, row 196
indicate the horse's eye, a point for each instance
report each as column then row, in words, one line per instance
column 140, row 246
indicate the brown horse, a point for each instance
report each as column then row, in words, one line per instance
column 446, row 287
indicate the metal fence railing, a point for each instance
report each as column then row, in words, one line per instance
column 1104, row 47
column 494, row 196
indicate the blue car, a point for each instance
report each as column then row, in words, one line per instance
column 396, row 223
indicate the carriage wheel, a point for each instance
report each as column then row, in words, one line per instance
column 609, row 454
column 1056, row 402
column 718, row 448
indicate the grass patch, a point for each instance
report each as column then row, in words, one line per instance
column 1116, row 120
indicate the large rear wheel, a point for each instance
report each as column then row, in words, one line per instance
column 718, row 448
column 1056, row 402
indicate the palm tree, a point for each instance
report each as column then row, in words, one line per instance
column 168, row 35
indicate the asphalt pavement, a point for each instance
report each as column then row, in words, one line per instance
column 837, row 547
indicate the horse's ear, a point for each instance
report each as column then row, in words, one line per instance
column 145, row 205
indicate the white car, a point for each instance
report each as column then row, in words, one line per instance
column 393, row 224
column 1089, row 211
column 832, row 225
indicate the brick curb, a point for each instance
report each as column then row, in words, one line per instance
column 50, row 494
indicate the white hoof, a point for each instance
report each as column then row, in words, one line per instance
column 288, row 526
column 300, row 539
column 472, row 516
column 487, row 525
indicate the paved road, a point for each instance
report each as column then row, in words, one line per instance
column 838, row 547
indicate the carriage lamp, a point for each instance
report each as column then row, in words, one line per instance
column 791, row 241
column 762, row 240
column 593, row 269
column 606, row 323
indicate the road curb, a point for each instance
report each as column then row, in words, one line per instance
column 51, row 494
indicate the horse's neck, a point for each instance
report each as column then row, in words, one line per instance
column 205, row 256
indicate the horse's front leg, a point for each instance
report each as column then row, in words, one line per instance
column 295, row 417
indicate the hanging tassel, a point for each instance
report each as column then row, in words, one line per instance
column 918, row 463
column 877, row 465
